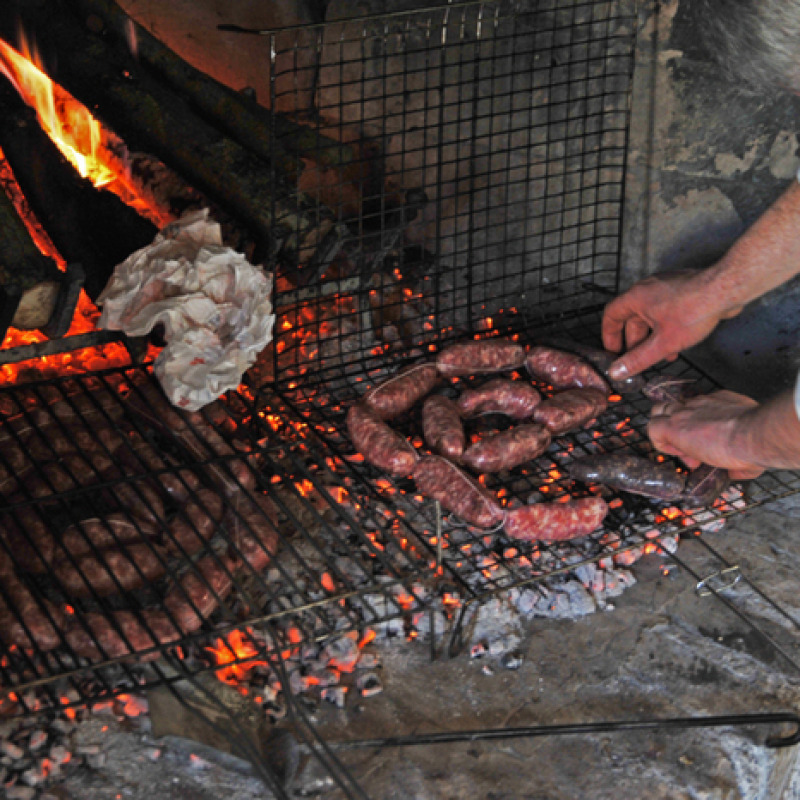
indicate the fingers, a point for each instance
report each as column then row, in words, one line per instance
column 637, row 360
column 636, row 331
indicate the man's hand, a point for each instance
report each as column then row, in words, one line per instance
column 658, row 318
column 712, row 429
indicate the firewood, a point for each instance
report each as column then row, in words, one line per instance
column 29, row 281
column 149, row 116
column 256, row 127
column 87, row 225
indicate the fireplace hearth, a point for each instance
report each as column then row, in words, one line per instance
column 484, row 154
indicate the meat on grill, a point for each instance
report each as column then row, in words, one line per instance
column 569, row 410
column 508, row 449
column 229, row 469
column 628, row 472
column 378, row 443
column 142, row 457
column 563, row 370
column 556, row 522
column 515, row 399
column 442, row 428
column 704, row 485
column 397, row 394
column 478, row 358
column 440, row 479
column 601, row 360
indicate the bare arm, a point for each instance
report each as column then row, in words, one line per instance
column 661, row 316
column 726, row 429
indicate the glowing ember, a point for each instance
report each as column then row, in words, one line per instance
column 237, row 648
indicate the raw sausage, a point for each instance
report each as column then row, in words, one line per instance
column 563, row 370
column 378, row 443
column 508, row 449
column 442, row 428
column 252, row 524
column 515, row 399
column 396, row 395
column 629, row 473
column 441, row 480
column 570, row 409
column 601, row 360
column 476, row 358
column 556, row 522
column 93, row 535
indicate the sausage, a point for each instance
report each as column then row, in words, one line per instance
column 441, row 480
column 477, row 358
column 196, row 523
column 68, row 473
column 556, row 522
column 563, row 370
column 515, row 399
column 570, row 409
column 629, row 473
column 508, row 449
column 230, row 471
column 95, row 636
column 140, row 499
column 442, row 428
column 704, row 485
column 110, row 571
column 199, row 591
column 29, row 538
column 252, row 524
column 601, row 360
column 378, row 443
column 142, row 457
column 396, row 395
column 42, row 619
column 92, row 535
column 57, row 439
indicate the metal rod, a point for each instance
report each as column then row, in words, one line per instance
column 530, row 731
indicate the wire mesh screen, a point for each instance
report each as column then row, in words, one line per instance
column 482, row 175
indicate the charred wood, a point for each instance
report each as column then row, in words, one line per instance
column 29, row 281
column 149, row 116
column 87, row 225
column 269, row 135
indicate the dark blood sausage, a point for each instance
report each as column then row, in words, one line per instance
column 508, row 449
column 570, row 409
column 704, row 485
column 515, row 399
column 398, row 394
column 442, row 428
column 477, row 358
column 378, row 443
column 601, row 360
column 563, row 370
column 629, row 473
column 556, row 522
column 439, row 479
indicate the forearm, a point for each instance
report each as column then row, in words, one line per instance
column 763, row 258
column 769, row 436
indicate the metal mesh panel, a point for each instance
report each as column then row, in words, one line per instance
column 483, row 176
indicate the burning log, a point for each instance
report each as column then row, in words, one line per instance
column 150, row 116
column 87, row 225
column 267, row 134
column 29, row 281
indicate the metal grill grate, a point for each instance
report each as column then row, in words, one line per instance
column 484, row 176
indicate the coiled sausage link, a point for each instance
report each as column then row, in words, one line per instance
column 442, row 428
